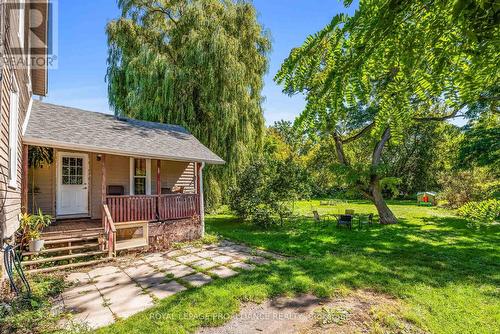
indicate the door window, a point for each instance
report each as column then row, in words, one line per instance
column 72, row 171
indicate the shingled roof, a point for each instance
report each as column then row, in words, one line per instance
column 70, row 128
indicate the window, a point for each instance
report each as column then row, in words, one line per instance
column 13, row 136
column 20, row 31
column 140, row 176
column 72, row 171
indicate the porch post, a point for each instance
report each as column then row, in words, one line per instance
column 24, row 180
column 158, row 177
column 201, row 208
column 103, row 179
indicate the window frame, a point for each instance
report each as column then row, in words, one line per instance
column 133, row 176
column 14, row 136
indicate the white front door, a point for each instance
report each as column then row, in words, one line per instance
column 72, row 184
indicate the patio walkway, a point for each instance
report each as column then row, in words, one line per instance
column 102, row 295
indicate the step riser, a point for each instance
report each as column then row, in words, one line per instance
column 61, row 249
column 63, row 258
column 67, row 266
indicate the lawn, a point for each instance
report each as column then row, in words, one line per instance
column 445, row 275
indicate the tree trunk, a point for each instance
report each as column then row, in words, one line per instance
column 385, row 214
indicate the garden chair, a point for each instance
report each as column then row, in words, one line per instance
column 345, row 220
column 369, row 221
column 320, row 219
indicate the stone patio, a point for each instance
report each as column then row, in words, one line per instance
column 102, row 295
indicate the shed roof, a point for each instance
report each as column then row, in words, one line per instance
column 70, row 128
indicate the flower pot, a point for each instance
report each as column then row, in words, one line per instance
column 36, row 245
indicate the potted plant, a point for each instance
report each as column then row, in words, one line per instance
column 31, row 226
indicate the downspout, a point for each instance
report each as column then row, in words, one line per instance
column 202, row 201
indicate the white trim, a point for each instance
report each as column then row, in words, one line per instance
column 13, row 153
column 132, row 175
column 94, row 149
column 28, row 114
column 86, row 182
column 202, row 202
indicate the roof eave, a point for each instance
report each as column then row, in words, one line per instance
column 27, row 140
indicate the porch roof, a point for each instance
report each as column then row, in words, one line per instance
column 70, row 128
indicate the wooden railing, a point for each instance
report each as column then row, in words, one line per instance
column 178, row 206
column 132, row 208
column 152, row 207
column 109, row 230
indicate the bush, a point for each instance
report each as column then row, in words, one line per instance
column 266, row 191
column 481, row 213
column 461, row 187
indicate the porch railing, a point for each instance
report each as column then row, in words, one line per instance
column 132, row 208
column 152, row 207
column 109, row 230
column 178, row 206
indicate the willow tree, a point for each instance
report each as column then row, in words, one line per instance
column 370, row 76
column 196, row 63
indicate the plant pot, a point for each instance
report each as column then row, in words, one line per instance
column 36, row 245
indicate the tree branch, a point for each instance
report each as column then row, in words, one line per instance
column 359, row 134
column 442, row 118
column 339, row 147
column 377, row 152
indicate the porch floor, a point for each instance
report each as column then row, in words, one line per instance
column 64, row 225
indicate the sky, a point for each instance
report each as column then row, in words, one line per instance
column 79, row 79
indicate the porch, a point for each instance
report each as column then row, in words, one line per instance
column 141, row 180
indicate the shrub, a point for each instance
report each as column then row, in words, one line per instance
column 481, row 213
column 461, row 187
column 266, row 191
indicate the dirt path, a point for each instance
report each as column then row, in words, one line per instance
column 361, row 312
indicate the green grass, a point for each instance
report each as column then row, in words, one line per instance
column 445, row 275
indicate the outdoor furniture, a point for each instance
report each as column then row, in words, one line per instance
column 345, row 220
column 349, row 212
column 116, row 190
column 322, row 218
column 368, row 221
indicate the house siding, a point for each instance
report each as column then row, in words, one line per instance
column 10, row 197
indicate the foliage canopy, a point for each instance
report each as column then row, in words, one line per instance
column 194, row 63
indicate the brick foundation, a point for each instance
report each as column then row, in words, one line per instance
column 163, row 234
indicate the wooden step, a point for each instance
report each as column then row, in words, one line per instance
column 72, row 235
column 92, row 229
column 63, row 257
column 68, row 266
column 63, row 241
column 61, row 249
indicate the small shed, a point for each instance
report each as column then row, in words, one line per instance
column 426, row 198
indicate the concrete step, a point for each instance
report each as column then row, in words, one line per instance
column 63, row 257
column 61, row 249
column 68, row 266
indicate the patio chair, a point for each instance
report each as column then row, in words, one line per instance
column 369, row 221
column 345, row 220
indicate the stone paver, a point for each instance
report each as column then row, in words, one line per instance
column 242, row 265
column 103, row 271
column 189, row 258
column 111, row 292
column 165, row 290
column 165, row 264
column 198, row 279
column 223, row 259
column 223, row 272
column 207, row 254
column 258, row 260
column 204, row 264
column 180, row 271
